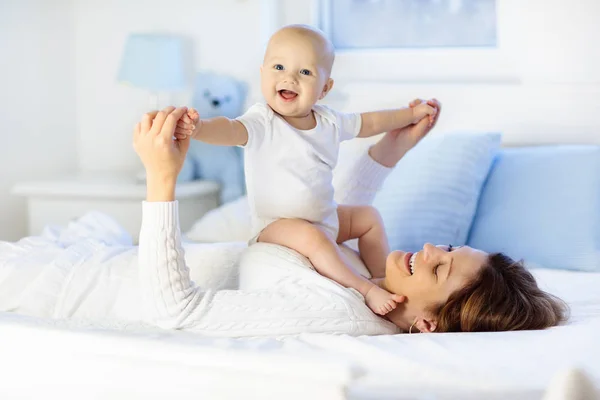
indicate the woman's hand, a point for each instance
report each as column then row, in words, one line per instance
column 161, row 154
column 394, row 144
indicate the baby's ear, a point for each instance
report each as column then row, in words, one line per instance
column 326, row 88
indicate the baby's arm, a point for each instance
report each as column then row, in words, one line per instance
column 376, row 122
column 220, row 130
column 325, row 255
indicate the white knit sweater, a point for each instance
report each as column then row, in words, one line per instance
column 292, row 299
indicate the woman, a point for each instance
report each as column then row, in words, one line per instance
column 442, row 288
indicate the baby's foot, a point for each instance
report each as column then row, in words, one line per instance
column 380, row 301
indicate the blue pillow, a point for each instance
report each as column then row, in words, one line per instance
column 542, row 204
column 431, row 196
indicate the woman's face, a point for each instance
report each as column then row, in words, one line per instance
column 437, row 272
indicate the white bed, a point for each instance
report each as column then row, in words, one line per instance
column 65, row 358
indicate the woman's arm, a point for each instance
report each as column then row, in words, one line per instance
column 359, row 184
column 168, row 294
column 170, row 299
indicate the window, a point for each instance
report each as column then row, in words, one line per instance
column 413, row 41
column 368, row 24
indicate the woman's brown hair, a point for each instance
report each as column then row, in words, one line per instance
column 503, row 297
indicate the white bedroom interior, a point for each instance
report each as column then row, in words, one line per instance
column 71, row 319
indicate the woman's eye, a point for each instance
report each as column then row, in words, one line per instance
column 304, row 72
column 278, row 67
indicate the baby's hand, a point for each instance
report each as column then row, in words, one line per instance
column 421, row 110
column 381, row 301
column 187, row 124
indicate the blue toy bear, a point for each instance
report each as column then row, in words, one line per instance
column 217, row 95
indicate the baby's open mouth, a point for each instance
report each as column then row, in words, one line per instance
column 287, row 94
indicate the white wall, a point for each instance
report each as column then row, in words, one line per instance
column 225, row 35
column 554, row 46
column 37, row 100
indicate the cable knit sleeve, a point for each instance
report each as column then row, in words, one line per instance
column 169, row 296
column 358, row 183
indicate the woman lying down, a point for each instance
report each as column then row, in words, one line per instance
column 438, row 289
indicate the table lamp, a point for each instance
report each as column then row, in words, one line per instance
column 153, row 62
column 156, row 63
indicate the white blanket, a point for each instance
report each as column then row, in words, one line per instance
column 63, row 278
column 89, row 270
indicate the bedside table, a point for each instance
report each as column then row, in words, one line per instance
column 57, row 202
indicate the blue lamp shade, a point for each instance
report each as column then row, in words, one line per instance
column 153, row 62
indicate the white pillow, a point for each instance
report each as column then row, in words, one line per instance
column 542, row 204
column 431, row 195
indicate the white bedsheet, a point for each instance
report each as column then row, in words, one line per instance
column 81, row 358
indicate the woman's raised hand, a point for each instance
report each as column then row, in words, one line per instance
column 161, row 154
column 394, row 144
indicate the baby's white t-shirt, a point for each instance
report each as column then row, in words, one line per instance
column 289, row 172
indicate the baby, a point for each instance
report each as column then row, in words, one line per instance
column 291, row 147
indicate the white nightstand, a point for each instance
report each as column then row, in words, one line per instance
column 60, row 201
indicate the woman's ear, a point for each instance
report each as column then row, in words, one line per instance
column 326, row 88
column 426, row 324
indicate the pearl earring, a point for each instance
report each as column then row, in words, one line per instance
column 413, row 324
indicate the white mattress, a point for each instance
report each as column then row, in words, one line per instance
column 79, row 360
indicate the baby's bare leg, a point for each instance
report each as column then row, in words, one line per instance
column 365, row 224
column 322, row 251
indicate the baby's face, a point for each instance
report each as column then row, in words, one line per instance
column 294, row 73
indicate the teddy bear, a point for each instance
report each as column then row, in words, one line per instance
column 217, row 95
